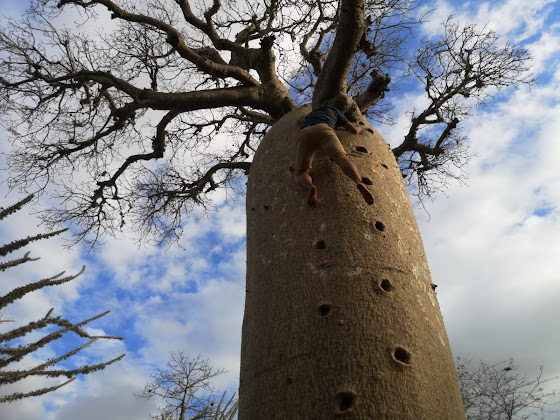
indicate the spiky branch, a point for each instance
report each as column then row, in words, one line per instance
column 11, row 349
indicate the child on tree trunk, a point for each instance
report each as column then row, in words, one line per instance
column 318, row 133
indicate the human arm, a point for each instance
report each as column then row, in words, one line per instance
column 353, row 128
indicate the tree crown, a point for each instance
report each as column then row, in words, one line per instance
column 140, row 123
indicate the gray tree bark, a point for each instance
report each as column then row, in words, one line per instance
column 340, row 315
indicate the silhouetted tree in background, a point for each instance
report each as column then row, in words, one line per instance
column 500, row 392
column 187, row 390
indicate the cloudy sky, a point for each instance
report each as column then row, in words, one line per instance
column 493, row 246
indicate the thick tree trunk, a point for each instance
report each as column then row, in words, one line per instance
column 340, row 315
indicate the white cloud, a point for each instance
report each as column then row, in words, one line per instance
column 515, row 19
column 524, row 18
column 206, row 323
column 232, row 223
column 545, row 52
column 29, row 409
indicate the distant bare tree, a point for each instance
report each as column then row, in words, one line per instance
column 186, row 388
column 13, row 351
column 499, row 392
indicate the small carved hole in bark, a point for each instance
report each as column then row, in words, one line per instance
column 385, row 166
column 379, row 226
column 345, row 401
column 361, row 123
column 290, row 380
column 292, row 168
column 367, row 181
column 386, row 285
column 402, row 355
column 370, row 130
column 324, row 310
column 266, row 207
column 320, row 244
column 361, row 149
column 253, row 209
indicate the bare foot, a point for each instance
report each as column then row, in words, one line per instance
column 365, row 193
column 312, row 199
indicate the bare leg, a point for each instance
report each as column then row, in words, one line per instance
column 305, row 181
column 351, row 172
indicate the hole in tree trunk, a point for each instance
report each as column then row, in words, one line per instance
column 385, row 166
column 361, row 123
column 320, row 244
column 324, row 310
column 386, row 285
column 370, row 130
column 345, row 401
column 361, row 149
column 402, row 355
column 367, row 181
column 379, row 226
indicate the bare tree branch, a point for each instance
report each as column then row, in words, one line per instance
column 20, row 395
column 460, row 71
column 141, row 112
column 11, row 354
column 499, row 392
column 374, row 92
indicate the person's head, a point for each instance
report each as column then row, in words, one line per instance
column 345, row 105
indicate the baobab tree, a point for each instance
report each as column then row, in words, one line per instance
column 173, row 103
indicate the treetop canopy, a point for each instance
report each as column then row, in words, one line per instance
column 135, row 113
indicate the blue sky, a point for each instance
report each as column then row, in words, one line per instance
column 492, row 247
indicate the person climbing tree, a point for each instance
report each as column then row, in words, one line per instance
column 318, row 133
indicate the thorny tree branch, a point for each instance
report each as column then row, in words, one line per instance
column 11, row 349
